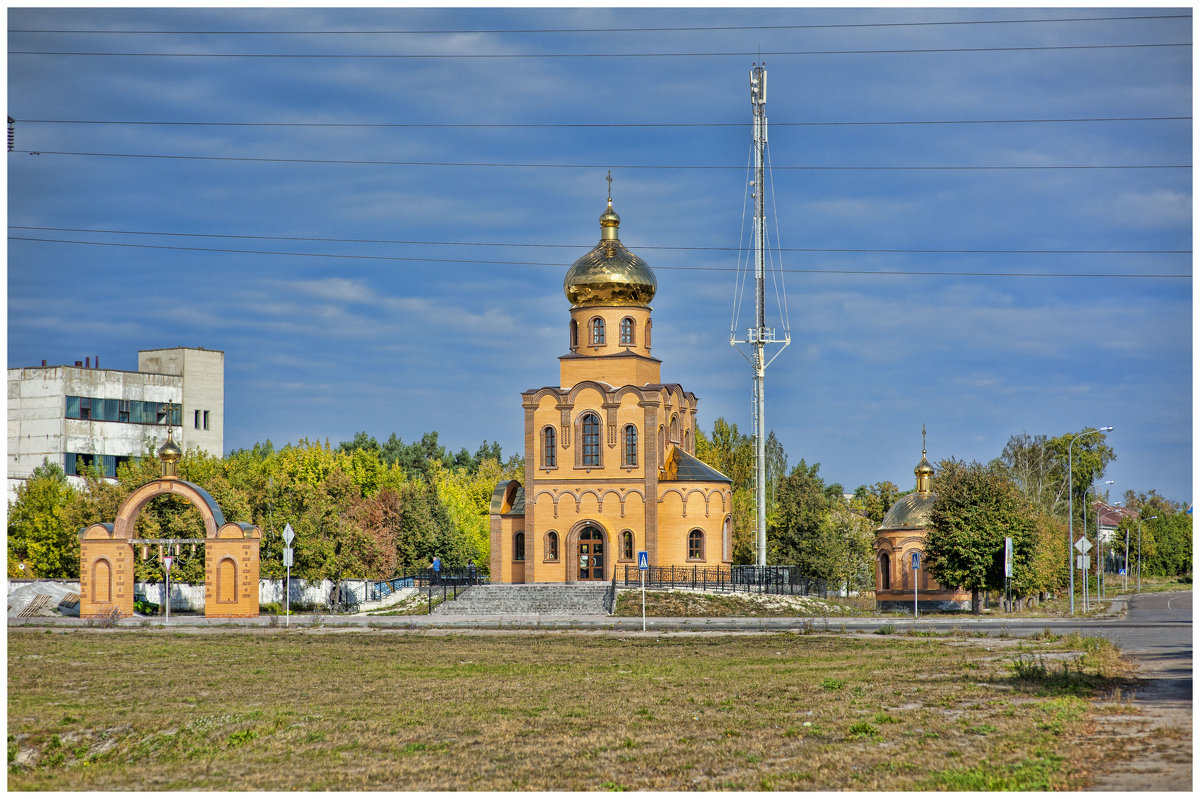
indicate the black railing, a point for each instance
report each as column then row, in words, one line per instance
column 750, row 579
column 425, row 578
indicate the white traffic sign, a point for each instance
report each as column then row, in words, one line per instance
column 1081, row 562
column 1083, row 545
column 288, row 534
column 287, row 557
column 643, row 560
column 1008, row 557
column 167, row 561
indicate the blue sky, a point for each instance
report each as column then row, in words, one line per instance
column 408, row 337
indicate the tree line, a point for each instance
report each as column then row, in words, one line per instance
column 367, row 509
column 360, row 509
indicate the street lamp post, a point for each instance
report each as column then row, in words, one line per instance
column 1152, row 518
column 1071, row 507
column 1099, row 543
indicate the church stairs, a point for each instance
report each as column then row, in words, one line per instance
column 533, row 599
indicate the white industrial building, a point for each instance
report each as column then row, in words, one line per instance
column 82, row 414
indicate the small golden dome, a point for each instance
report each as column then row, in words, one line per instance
column 610, row 274
column 170, row 451
column 924, row 467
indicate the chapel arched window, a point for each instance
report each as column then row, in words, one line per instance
column 696, row 545
column 627, row 545
column 549, row 452
column 519, row 546
column 627, row 331
column 574, row 334
column 591, row 439
column 631, row 445
column 597, row 325
column 551, row 545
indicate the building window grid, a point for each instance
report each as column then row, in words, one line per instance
column 519, row 546
column 551, row 546
column 627, row 545
column 597, row 326
column 97, row 409
column 696, row 545
column 631, row 445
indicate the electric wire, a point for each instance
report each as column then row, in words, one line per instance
column 356, row 257
column 514, row 165
column 774, row 124
column 685, row 29
column 514, row 56
column 917, row 251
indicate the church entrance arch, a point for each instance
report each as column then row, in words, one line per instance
column 106, row 554
column 591, row 554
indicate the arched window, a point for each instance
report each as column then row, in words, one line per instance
column 627, row 331
column 597, row 332
column 549, row 453
column 591, row 439
column 675, row 429
column 885, row 572
column 696, row 545
column 631, row 448
column 647, row 334
column 726, row 541
column 627, row 545
column 519, row 546
column 662, row 446
column 551, row 545
column 687, row 440
column 574, row 334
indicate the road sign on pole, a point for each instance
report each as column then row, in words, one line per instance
column 1083, row 545
column 167, row 561
column 288, row 535
column 643, row 567
column 916, row 565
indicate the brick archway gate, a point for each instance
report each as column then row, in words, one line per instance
column 231, row 553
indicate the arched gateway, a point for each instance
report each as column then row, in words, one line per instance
column 231, row 551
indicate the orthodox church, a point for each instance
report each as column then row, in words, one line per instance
column 610, row 466
column 902, row 534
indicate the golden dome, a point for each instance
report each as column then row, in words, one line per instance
column 610, row 274
column 170, row 451
column 911, row 512
column 924, row 467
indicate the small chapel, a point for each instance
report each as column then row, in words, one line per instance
column 900, row 536
column 610, row 466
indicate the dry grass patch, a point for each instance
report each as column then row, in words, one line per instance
column 306, row 710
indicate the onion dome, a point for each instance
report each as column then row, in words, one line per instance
column 170, row 453
column 610, row 274
column 912, row 511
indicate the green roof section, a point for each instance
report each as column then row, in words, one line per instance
column 508, row 499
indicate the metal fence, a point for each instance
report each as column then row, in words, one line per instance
column 425, row 579
column 750, row 579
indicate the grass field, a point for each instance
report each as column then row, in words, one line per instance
column 322, row 709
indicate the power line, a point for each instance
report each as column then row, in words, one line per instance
column 810, row 168
column 560, row 265
column 395, row 31
column 582, row 246
column 485, row 56
column 591, row 124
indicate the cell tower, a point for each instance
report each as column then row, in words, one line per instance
column 759, row 336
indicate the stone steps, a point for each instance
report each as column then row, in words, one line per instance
column 542, row 599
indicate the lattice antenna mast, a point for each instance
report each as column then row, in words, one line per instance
column 759, row 336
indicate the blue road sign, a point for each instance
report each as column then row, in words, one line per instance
column 1122, row 572
column 916, row 560
column 643, row 561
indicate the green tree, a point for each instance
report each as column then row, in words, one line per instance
column 800, row 535
column 39, row 533
column 732, row 453
column 875, row 501
column 850, row 539
column 975, row 508
column 1167, row 544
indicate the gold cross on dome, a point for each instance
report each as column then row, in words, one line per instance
column 922, row 439
column 609, row 179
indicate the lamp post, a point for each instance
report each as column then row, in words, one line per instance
column 1071, row 507
column 1152, row 518
column 1099, row 543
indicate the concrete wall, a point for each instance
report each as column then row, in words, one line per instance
column 203, row 373
column 188, row 597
